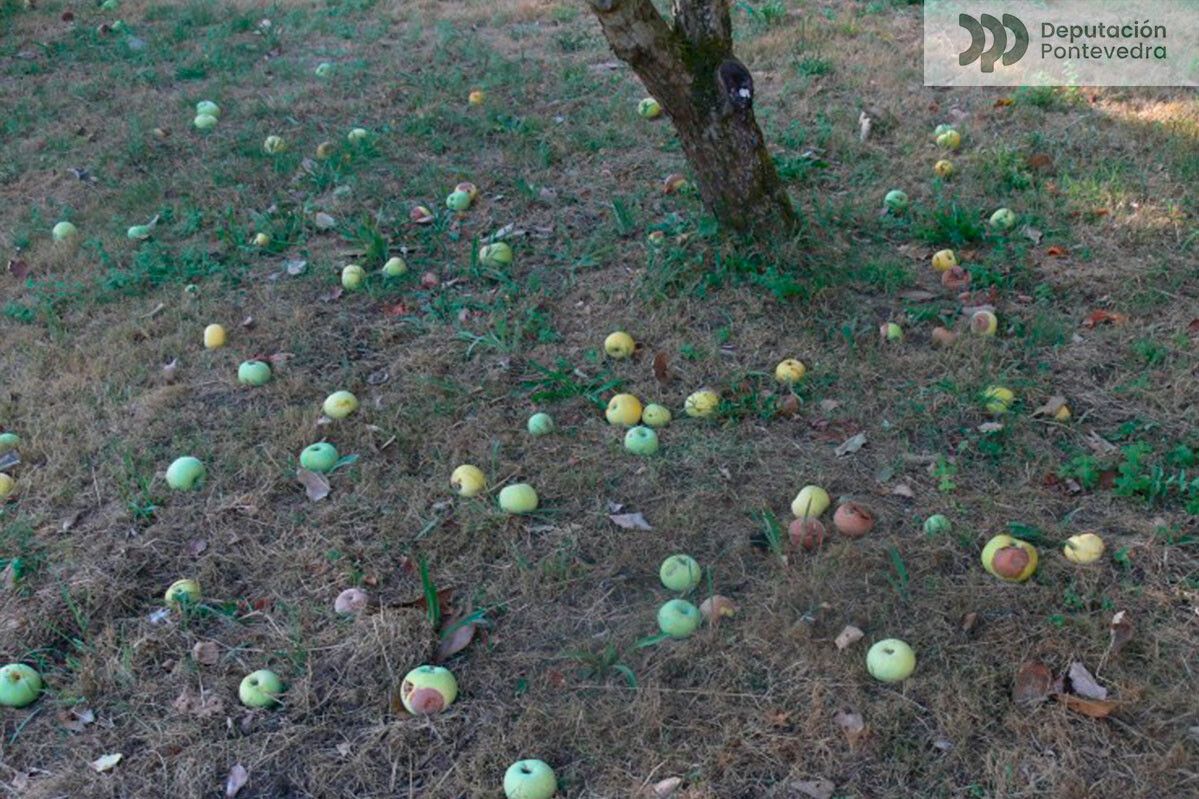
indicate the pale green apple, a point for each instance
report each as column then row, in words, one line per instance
column 493, row 255
column 949, row 140
column 204, row 122
column 458, row 200
column 139, row 232
column 63, row 231
column 680, row 573
column 890, row 661
column 890, row 331
column 1003, row 219
column 678, row 618
column 185, row 473
column 641, row 440
column 518, row 498
column 273, row 145
column 998, row 399
column 340, row 404
column 209, row 108
column 942, row 129
column 320, row 457
column 20, row 685
column 655, row 415
column 182, row 592
column 810, row 502
column 530, row 779
column 261, row 239
column 395, row 267
column 254, row 373
column 896, row 200
column 541, row 424
column 9, row 442
column 937, row 524
column 352, row 277
column 7, row 486
column 357, row 135
column 649, row 108
column 324, row 69
column 428, row 689
column 261, row 688
column 468, row 481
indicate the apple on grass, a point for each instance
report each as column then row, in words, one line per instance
column 896, row 201
column 1083, row 548
column 944, row 260
column 208, row 107
column 810, row 502
column 623, row 410
column 1009, row 558
column 7, row 486
column 680, row 573
column 890, row 331
column 357, row 135
column 324, row 69
column 1003, row 219
column 678, row 618
column 468, row 481
column 324, row 150
column 998, row 400
column 619, row 345
column 476, row 97
column 458, row 201
column 530, row 779
column 20, row 685
column 320, row 457
column 518, row 498
column 395, row 267
column 943, row 169
column 185, row 473
column 214, row 337
column 890, row 661
column 541, row 424
column 655, row 415
column 428, row 689
column 702, row 404
column 254, row 373
column 495, row 255
column 352, row 277
column 641, row 440
column 649, row 108
column 790, row 371
column 63, row 231
column 260, row 689
column 339, row 404
column 984, row 322
column 261, row 240
column 182, row 593
column 9, row 442
column 204, row 122
column 937, row 524
column 273, row 145
column 949, row 140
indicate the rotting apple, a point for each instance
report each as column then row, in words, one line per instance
column 319, row 457
column 619, row 345
column 428, row 689
column 325, row 150
column 421, row 215
column 182, row 593
column 806, row 532
column 273, row 145
column 20, row 685
column 943, row 337
column 530, row 779
column 339, row 404
column 811, row 502
column 1009, row 558
column 984, row 322
column 541, row 424
column 890, row 661
column 261, row 240
column 518, row 498
column 955, row 278
column 944, row 169
column 185, row 473
column 702, row 404
column 351, row 601
column 469, row 188
column 680, row 573
column 1083, row 548
column 261, row 688
column 853, row 519
column 468, row 480
column 641, row 440
column 623, row 410
column 790, row 371
column 717, row 607
column 891, row 332
column 655, row 415
column 254, row 373
column 458, row 201
column 678, row 618
column 476, row 97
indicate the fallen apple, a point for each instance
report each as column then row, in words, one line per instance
column 1003, row 219
column 352, row 277
column 274, row 145
column 949, row 140
column 63, row 231
column 890, row 661
column 260, row 689
column 324, row 150
column 530, row 779
column 518, row 498
column 942, row 129
column 357, row 135
column 1062, row 414
column 678, row 618
column 649, row 108
column 261, row 240
column 811, row 502
column 395, row 267
column 541, row 424
column 9, row 442
column 984, row 322
column 421, row 215
column 428, row 689
column 680, row 573
column 497, row 254
column 20, row 685
column 641, row 440
column 7, row 485
column 806, row 532
column 1009, row 558
column 204, row 122
column 476, row 97
column 619, row 345
column 943, row 260
column 896, row 201
column 468, row 480
column 655, row 415
column 324, row 69
column 185, row 474
column 673, row 183
column 943, row 169
column 339, row 404
column 139, row 232
column 702, row 404
column 457, row 201
column 469, row 188
column 853, row 519
column 214, row 337
column 717, row 607
column 209, row 108
column 937, row 524
column 998, row 399
column 319, row 457
column 1083, row 548
column 943, row 337
column 351, row 601
column 790, row 371
column 890, row 331
column 254, row 373
column 623, row 410
column 182, row 593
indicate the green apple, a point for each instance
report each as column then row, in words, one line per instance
column 324, row 69
column 204, row 122
column 20, row 685
column 139, row 232
column 182, row 592
column 185, row 474
column 702, row 404
column 352, row 277
column 518, row 498
column 649, row 108
column 998, row 399
column 890, row 331
column 458, row 200
column 1003, row 219
column 320, row 457
column 680, row 573
column 63, row 231
column 541, row 424
column 208, row 107
column 7, row 486
column 942, row 129
column 530, row 779
column 340, row 404
column 624, row 410
column 810, row 502
column 949, row 140
column 468, row 481
column 493, row 255
column 619, row 345
column 655, row 415
column 641, row 440
column 254, row 373
column 937, row 524
column 357, row 135
column 9, row 442
column 261, row 239
column 428, row 689
column 395, row 267
column 890, row 660
column 260, row 689
column 678, row 618
column 273, row 145
column 896, row 201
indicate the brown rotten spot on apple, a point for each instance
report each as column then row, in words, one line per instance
column 1010, row 562
column 422, row 700
column 807, row 532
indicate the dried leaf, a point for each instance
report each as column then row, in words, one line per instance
column 1121, row 632
column 969, row 622
column 18, row 268
column 987, row 428
column 864, row 125
column 1039, row 161
column 1095, row 708
column 206, row 653
column 456, row 641
column 816, row 789
column 1102, row 317
column 323, row 221
column 1032, row 234
column 1051, row 406
column 852, row 725
column 237, row 779
column 76, row 719
column 1193, row 327
column 1004, row 102
column 851, row 444
column 1057, row 251
column 1084, row 684
column 314, row 484
column 1034, row 683
column 664, row 788
column 106, row 762
column 295, row 266
column 630, row 521
column 661, row 371
column 788, row 406
column 196, row 547
column 444, row 597
column 903, row 490
column 1098, row 444
column 848, row 637
column 333, row 295
column 827, row 405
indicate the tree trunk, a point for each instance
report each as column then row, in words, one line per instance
column 708, row 94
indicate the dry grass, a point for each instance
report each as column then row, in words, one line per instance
column 744, row 710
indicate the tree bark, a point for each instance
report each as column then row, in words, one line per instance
column 689, row 68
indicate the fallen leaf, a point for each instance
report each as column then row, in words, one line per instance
column 323, row 221
column 1121, row 632
column 295, row 266
column 1051, row 406
column 969, row 622
column 788, row 406
column 106, row 762
column 852, row 725
column 1098, row 444
column 917, row 295
column 664, row 788
column 314, row 484
column 1039, row 161
column 456, row 641
column 1034, row 683
column 18, row 268
column 398, row 309
column 864, row 125
column 1084, row 684
column 196, row 547
column 444, row 597
column 1095, row 708
column 817, row 789
column 1032, row 234
column 827, row 405
column 237, row 779
column 630, row 521
column 661, row 371
column 76, row 719
column 333, row 295
column 248, row 322
column 206, row 653
column 851, row 444
column 1101, row 317
column 848, row 637
column 1004, row 102
column 1057, row 251
column 987, row 428
column 201, row 706
column 1193, row 327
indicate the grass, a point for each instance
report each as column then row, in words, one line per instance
column 450, row 359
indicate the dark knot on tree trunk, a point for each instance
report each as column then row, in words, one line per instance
column 737, row 85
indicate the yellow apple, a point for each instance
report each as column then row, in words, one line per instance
column 261, row 239
column 810, row 502
column 702, row 403
column 655, row 415
column 619, row 345
column 7, row 486
column 944, row 260
column 476, row 97
column 214, row 337
column 468, row 481
column 623, row 410
column 984, row 323
column 790, row 371
column 1083, row 548
column 943, row 168
column 998, row 399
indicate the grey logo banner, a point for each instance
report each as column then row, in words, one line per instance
column 978, row 38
